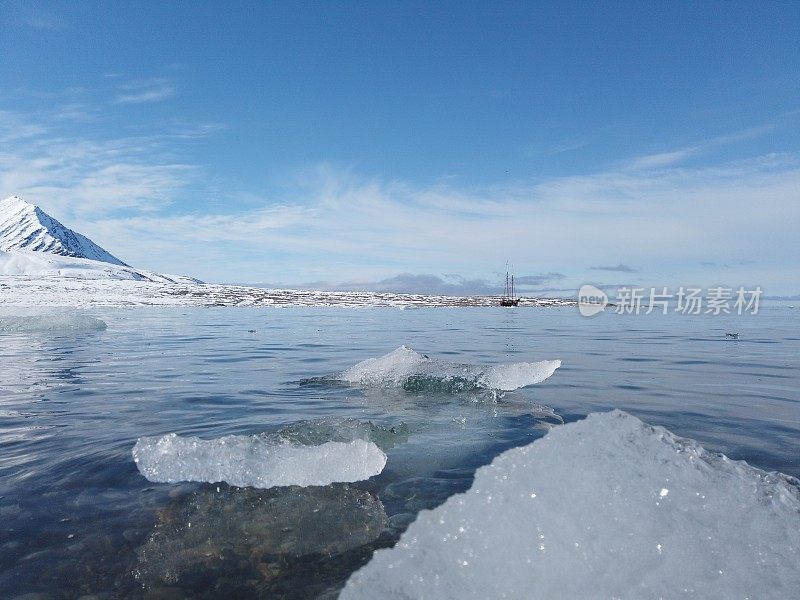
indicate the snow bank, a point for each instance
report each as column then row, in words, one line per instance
column 255, row 461
column 416, row 372
column 41, row 264
column 607, row 507
column 45, row 266
column 49, row 322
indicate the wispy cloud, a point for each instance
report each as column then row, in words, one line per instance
column 46, row 21
column 666, row 159
column 620, row 268
column 558, row 147
column 32, row 15
column 134, row 194
column 344, row 224
column 663, row 159
column 75, row 176
column 246, row 227
column 154, row 90
column 426, row 283
column 452, row 285
column 538, row 280
column 14, row 129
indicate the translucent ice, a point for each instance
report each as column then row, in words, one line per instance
column 49, row 322
column 604, row 508
column 255, row 461
column 267, row 531
column 416, row 372
column 330, row 429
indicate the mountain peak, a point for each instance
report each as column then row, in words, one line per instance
column 15, row 203
column 25, row 226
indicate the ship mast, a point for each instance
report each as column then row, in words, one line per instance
column 509, row 296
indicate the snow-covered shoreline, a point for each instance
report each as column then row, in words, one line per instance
column 53, row 291
column 45, row 264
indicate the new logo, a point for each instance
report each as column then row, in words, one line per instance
column 591, row 300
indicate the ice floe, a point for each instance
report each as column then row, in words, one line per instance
column 416, row 372
column 604, row 508
column 49, row 322
column 255, row 461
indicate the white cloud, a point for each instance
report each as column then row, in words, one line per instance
column 153, row 90
column 331, row 224
column 73, row 176
column 666, row 159
column 346, row 227
column 663, row 159
column 14, row 129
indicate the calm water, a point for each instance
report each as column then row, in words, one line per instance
column 77, row 518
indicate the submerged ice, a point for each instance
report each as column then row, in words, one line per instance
column 258, row 534
column 416, row 372
column 606, row 507
column 255, row 461
column 49, row 322
column 318, row 431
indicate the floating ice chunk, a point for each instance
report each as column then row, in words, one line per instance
column 254, row 461
column 606, row 507
column 416, row 372
column 49, row 322
column 516, row 375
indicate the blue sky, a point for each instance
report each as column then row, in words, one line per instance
column 414, row 145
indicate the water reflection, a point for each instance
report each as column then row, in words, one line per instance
column 77, row 518
column 35, row 367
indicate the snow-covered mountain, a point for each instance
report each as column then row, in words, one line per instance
column 36, row 247
column 24, row 226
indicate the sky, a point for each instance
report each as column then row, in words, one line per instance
column 414, row 146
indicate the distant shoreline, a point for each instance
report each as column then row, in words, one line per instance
column 27, row 291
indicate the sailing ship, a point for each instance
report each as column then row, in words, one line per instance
column 509, row 298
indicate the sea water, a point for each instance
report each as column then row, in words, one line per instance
column 77, row 517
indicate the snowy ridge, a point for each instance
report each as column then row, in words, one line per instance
column 24, row 226
column 607, row 507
